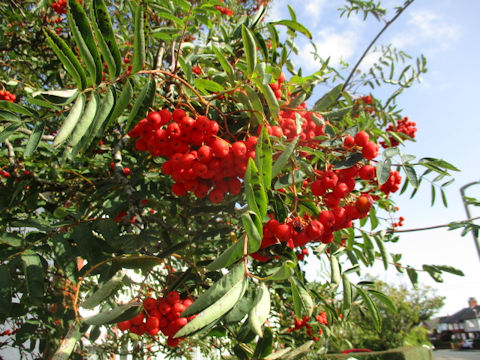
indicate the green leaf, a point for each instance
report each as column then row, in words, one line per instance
column 71, row 121
column 5, row 291
column 80, row 28
column 335, row 270
column 216, row 310
column 139, row 41
column 384, row 299
column 255, row 191
column 434, row 272
column 450, row 270
column 9, row 130
column 208, row 86
column 347, row 293
column 241, row 308
column 98, row 126
column 371, row 307
column 104, row 291
column 217, row 290
column 295, row 26
column 381, row 246
column 264, row 345
column 16, row 108
column 383, row 172
column 66, row 56
column 282, row 160
column 260, row 310
column 413, row 276
column 249, row 48
column 301, row 299
column 143, row 102
column 328, row 100
column 118, row 314
column 263, row 158
column 272, row 102
column 86, row 119
column 411, row 175
column 285, row 271
column 33, row 270
column 256, row 105
column 390, row 152
column 348, row 162
column 34, row 139
column 226, row 66
column 106, row 38
column 57, row 97
column 121, row 104
column 253, row 232
column 228, row 257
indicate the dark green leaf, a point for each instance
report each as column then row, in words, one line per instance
column 86, row 119
column 284, row 272
column 104, row 291
column 34, row 139
column 216, row 310
column 32, row 268
column 139, row 40
column 71, row 121
column 383, row 172
column 143, row 102
column 9, row 130
column 328, row 100
column 16, row 108
column 228, row 257
column 264, row 345
column 413, row 276
column 249, row 48
column 282, row 160
column 384, row 299
column 263, row 159
column 5, row 291
column 217, row 290
column 118, row 314
column 371, row 307
column 121, row 104
column 260, row 310
column 208, row 86
column 348, row 162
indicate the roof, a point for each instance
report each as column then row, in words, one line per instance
column 464, row 314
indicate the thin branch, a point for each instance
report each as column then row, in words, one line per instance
column 29, row 132
column 399, row 12
column 11, row 153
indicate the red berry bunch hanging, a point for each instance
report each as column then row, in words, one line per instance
column 277, row 86
column 303, row 323
column 403, row 126
column 160, row 315
column 393, row 183
column 60, row 6
column 7, row 96
column 199, row 160
column 224, row 10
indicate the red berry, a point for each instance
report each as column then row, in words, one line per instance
column 126, row 171
column 178, row 114
column 239, row 149
column 349, row 141
column 124, row 325
column 370, row 151
column 155, row 118
column 220, row 148
column 361, row 139
column 317, row 187
column 367, row 172
column 137, row 320
column 172, row 297
column 149, row 304
column 152, row 323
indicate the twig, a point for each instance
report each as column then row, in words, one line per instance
column 399, row 12
column 44, row 137
column 11, row 153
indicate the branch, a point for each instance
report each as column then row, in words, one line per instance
column 11, row 153
column 399, row 12
column 29, row 132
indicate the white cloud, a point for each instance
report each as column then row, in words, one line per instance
column 315, row 7
column 336, row 45
column 427, row 28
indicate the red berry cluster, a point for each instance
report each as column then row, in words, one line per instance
column 197, row 70
column 224, row 11
column 303, row 323
column 403, row 126
column 199, row 161
column 393, row 182
column 60, row 6
column 160, row 315
column 400, row 222
column 309, row 129
column 8, row 96
column 362, row 139
column 277, row 87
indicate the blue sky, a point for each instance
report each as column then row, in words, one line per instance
column 444, row 106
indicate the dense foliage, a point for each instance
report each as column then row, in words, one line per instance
column 147, row 145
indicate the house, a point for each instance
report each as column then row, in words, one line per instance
column 464, row 324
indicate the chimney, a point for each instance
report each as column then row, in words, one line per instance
column 472, row 302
